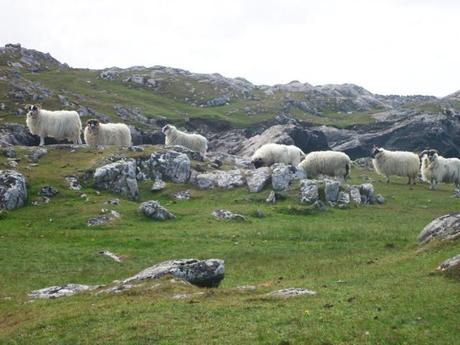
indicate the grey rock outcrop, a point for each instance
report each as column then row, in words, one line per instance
column 257, row 179
column 61, row 291
column 309, row 191
column 225, row 179
column 367, row 193
column 203, row 273
column 171, row 165
column 154, row 210
column 226, row 214
column 343, row 200
column 291, row 292
column 282, row 175
column 13, row 189
column 450, row 264
column 104, row 218
column 37, row 153
column 118, row 177
column 158, row 185
column 331, row 190
column 443, row 228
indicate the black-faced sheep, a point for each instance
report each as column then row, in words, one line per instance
column 330, row 163
column 194, row 142
column 437, row 169
column 395, row 163
column 102, row 134
column 62, row 124
column 269, row 154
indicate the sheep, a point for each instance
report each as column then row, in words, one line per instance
column 62, row 124
column 194, row 142
column 399, row 163
column 436, row 169
column 101, row 134
column 269, row 154
column 330, row 163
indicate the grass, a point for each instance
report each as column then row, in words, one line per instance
column 374, row 284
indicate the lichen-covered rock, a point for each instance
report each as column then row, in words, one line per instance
column 343, row 200
column 331, row 190
column 104, row 218
column 73, row 182
column 291, row 292
column 226, row 214
column 171, row 164
column 446, row 227
column 450, row 264
column 183, row 195
column 271, row 199
column 309, row 191
column 355, row 195
column 257, row 179
column 48, row 191
column 37, row 153
column 204, row 273
column 367, row 193
column 118, row 177
column 282, row 175
column 154, row 210
column 13, row 189
column 158, row 185
column 228, row 179
column 61, row 290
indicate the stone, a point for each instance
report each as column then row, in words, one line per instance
column 172, row 165
column 282, row 176
column 113, row 202
column 10, row 153
column 450, row 264
column 309, row 191
column 36, row 154
column 73, row 182
column 343, row 200
column 380, row 199
column 203, row 273
column 355, row 195
column 48, row 191
column 291, row 292
column 260, row 213
column 257, row 179
column 218, row 101
column 13, row 189
column 136, row 149
column 331, row 190
column 61, row 290
column 443, row 228
column 225, row 214
column 183, row 195
column 111, row 255
column 271, row 199
column 320, row 205
column 16, row 134
column 102, row 219
column 367, row 193
column 227, row 179
column 158, row 185
column 118, row 177
column 154, row 210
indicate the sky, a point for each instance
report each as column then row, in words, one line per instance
column 401, row 47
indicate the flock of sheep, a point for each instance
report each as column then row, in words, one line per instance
column 434, row 168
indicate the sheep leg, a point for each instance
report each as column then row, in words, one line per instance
column 78, row 141
column 42, row 141
column 410, row 180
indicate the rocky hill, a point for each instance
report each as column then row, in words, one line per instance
column 236, row 115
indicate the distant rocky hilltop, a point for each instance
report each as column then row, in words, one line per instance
column 236, row 115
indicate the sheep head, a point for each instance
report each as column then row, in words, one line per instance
column 375, row 151
column 93, row 124
column 168, row 128
column 32, row 110
column 257, row 162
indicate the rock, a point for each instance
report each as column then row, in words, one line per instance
column 318, row 204
column 13, row 189
column 136, row 149
column 343, row 200
column 36, row 154
column 367, row 193
column 260, row 213
column 73, row 182
column 113, row 202
column 110, row 255
column 48, row 191
column 61, row 290
column 380, row 199
column 41, row 201
column 103, row 218
column 364, row 162
column 355, row 195
column 450, row 264
column 154, row 210
column 203, row 273
column 257, row 179
column 218, row 101
column 282, row 176
column 172, row 165
column 118, row 177
column 331, row 190
column 16, row 134
column 183, row 195
column 225, row 214
column 228, row 179
column 10, row 153
column 446, row 227
column 271, row 199
column 158, row 185
column 291, row 292
column 309, row 191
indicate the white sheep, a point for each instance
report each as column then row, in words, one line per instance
column 436, row 169
column 395, row 163
column 269, row 154
column 330, row 163
column 102, row 134
column 62, row 124
column 194, row 142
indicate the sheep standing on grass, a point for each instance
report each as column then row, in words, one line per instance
column 436, row 169
column 395, row 163
column 269, row 154
column 62, row 124
column 194, row 142
column 102, row 134
column 330, row 163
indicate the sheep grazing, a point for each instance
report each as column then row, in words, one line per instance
column 103, row 134
column 330, row 163
column 194, row 142
column 62, row 124
column 436, row 169
column 395, row 163
column 270, row 154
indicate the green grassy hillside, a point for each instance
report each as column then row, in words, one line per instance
column 375, row 284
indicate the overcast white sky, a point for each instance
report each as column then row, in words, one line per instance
column 388, row 47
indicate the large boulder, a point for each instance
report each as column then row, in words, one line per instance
column 172, row 165
column 228, row 179
column 309, row 191
column 257, row 179
column 205, row 273
column 154, row 210
column 118, row 177
column 446, row 227
column 282, row 175
column 331, row 190
column 450, row 264
column 13, row 190
column 16, row 134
